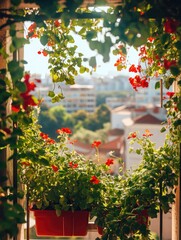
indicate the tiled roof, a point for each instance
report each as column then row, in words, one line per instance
column 114, row 145
column 116, row 132
column 148, row 118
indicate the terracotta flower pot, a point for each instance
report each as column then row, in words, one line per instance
column 67, row 224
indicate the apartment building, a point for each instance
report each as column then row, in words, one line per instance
column 78, row 97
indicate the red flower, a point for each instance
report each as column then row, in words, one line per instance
column 96, row 143
column 39, row 52
column 31, row 31
column 32, row 27
column 147, row 133
column 151, row 39
column 132, row 135
column 170, row 94
column 45, row 52
column 24, row 163
column 94, row 180
column 50, row 141
column 28, row 100
column 7, row 130
column 26, row 77
column 38, row 80
column 144, row 83
column 137, row 81
column 44, row 135
column 55, row 168
column 142, row 51
column 167, row 64
column 133, row 68
column 15, row 108
column 121, row 60
column 64, row 130
column 73, row 165
column 57, row 23
column 171, row 25
column 109, row 161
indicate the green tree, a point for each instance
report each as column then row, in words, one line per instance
column 49, row 123
column 101, row 97
column 80, row 115
column 103, row 114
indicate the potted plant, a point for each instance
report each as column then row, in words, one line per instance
column 134, row 197
column 58, row 178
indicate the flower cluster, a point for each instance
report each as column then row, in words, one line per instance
column 131, row 198
column 158, row 57
column 56, row 176
column 25, row 98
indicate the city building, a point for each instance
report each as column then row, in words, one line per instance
column 78, row 97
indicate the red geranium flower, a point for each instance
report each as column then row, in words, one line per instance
column 44, row 135
column 73, row 165
column 38, row 80
column 109, row 161
column 133, row 68
column 94, row 180
column 45, row 52
column 132, row 135
column 15, row 108
column 96, row 143
column 170, row 94
column 57, row 23
column 50, row 141
column 171, row 25
column 147, row 133
column 55, row 168
column 167, row 64
column 64, row 130
column 32, row 27
column 24, row 163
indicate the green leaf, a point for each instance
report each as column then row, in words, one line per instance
column 164, row 38
column 51, row 94
column 19, row 42
column 82, row 69
column 179, row 105
column 44, row 40
column 157, row 85
column 4, row 97
column 90, row 35
column 163, row 129
column 175, row 70
column 177, row 123
column 93, row 62
column 21, row 86
column 12, row 31
column 70, row 39
column 43, row 161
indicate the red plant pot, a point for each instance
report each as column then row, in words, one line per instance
column 67, row 224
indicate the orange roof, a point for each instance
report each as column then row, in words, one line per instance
column 148, row 118
column 116, row 132
column 114, row 145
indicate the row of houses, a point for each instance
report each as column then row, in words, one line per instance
column 83, row 94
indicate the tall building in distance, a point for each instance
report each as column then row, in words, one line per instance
column 78, row 97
